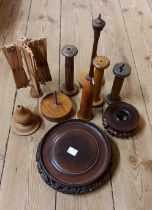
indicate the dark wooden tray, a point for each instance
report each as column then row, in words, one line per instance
column 73, row 156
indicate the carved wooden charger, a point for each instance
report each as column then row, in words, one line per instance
column 73, row 156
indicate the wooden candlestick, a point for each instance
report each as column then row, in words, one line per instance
column 98, row 25
column 69, row 88
column 24, row 122
column 56, row 106
column 85, row 111
column 100, row 63
column 120, row 70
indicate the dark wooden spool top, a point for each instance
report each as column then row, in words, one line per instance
column 69, row 51
column 75, row 153
column 122, row 70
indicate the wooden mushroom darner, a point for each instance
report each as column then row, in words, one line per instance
column 36, row 71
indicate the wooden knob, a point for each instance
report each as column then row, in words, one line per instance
column 121, row 71
column 56, row 106
column 100, row 63
column 24, row 122
column 85, row 111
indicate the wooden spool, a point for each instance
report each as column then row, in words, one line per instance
column 100, row 64
column 56, row 106
column 24, row 122
column 73, row 157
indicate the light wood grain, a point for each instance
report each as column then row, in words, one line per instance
column 28, row 190
column 11, row 17
column 126, row 37
column 131, row 180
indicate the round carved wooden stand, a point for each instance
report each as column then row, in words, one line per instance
column 121, row 119
column 73, row 156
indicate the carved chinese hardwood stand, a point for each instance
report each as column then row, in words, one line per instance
column 73, row 157
column 121, row 119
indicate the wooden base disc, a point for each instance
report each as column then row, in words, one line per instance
column 69, row 93
column 83, row 117
column 55, row 112
column 25, row 130
column 110, row 101
column 83, row 77
column 98, row 103
column 73, row 156
column 35, row 94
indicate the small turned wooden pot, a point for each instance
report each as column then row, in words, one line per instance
column 121, row 119
column 100, row 64
column 56, row 107
column 85, row 111
column 24, row 122
column 73, row 157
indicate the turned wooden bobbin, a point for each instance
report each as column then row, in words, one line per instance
column 121, row 71
column 98, row 25
column 56, row 106
column 69, row 88
column 24, row 122
column 100, row 63
column 85, row 111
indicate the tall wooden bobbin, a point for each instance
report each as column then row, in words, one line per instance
column 100, row 64
column 98, row 25
column 120, row 70
column 69, row 88
column 85, row 111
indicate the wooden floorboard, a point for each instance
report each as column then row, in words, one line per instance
column 127, row 37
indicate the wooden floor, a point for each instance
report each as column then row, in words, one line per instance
column 126, row 37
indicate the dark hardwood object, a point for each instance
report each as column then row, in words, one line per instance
column 24, row 122
column 73, row 157
column 56, row 106
column 85, row 111
column 120, row 70
column 121, row 119
column 100, row 64
column 69, row 88
column 98, row 25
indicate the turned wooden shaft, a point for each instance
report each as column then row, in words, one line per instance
column 98, row 77
column 98, row 25
column 116, row 88
column 85, row 111
column 94, row 52
column 69, row 73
